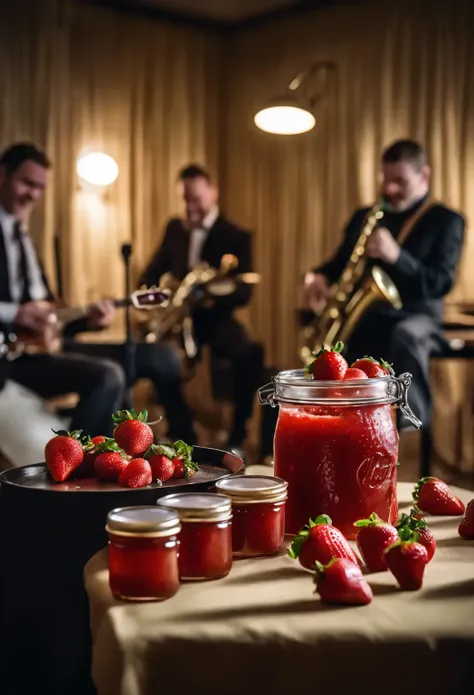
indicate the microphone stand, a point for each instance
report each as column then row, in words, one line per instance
column 130, row 345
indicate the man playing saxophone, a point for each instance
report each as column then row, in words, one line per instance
column 418, row 243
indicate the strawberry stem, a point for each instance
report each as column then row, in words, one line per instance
column 372, row 520
column 110, row 445
column 75, row 434
column 410, row 521
column 296, row 545
column 124, row 415
column 321, row 519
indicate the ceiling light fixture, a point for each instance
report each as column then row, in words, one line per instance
column 293, row 113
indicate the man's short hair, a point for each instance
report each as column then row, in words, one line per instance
column 194, row 171
column 406, row 151
column 13, row 157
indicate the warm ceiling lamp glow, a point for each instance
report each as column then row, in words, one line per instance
column 292, row 113
column 97, row 169
column 285, row 120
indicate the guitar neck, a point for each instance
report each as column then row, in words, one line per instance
column 74, row 313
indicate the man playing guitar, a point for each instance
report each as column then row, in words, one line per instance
column 26, row 303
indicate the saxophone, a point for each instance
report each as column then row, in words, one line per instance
column 173, row 317
column 351, row 296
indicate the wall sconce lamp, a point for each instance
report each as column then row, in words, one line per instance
column 97, row 169
column 293, row 113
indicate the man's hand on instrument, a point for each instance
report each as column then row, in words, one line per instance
column 382, row 245
column 101, row 314
column 316, row 290
column 36, row 316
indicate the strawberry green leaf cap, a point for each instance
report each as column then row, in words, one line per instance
column 124, row 415
column 372, row 520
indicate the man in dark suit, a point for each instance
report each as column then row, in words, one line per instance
column 423, row 267
column 25, row 303
column 207, row 235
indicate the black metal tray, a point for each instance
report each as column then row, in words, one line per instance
column 213, row 465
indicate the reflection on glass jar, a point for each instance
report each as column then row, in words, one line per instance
column 143, row 557
column 336, row 444
column 258, row 506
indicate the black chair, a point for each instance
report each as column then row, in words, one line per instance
column 459, row 345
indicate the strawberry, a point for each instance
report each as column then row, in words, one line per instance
column 183, row 469
column 319, row 541
column 132, row 433
column 184, row 466
column 63, row 454
column 341, row 581
column 87, row 469
column 328, row 365
column 373, row 538
column 110, row 461
column 354, row 373
column 160, row 456
column 406, row 560
column 136, row 474
column 425, row 534
column 434, row 497
column 466, row 527
column 372, row 367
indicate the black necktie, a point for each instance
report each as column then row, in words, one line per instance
column 23, row 272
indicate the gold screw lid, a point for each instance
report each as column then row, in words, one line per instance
column 198, row 506
column 143, row 521
column 246, row 489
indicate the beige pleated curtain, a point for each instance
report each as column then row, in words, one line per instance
column 155, row 95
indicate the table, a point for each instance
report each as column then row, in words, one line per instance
column 261, row 629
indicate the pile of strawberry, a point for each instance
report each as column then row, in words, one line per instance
column 129, row 458
column 404, row 549
column 330, row 365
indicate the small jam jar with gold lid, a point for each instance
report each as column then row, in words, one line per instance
column 205, row 542
column 143, row 553
column 258, row 508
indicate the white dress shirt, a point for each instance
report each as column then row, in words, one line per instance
column 8, row 310
column 198, row 237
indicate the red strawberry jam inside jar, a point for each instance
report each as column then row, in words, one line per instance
column 205, row 541
column 258, row 506
column 143, row 553
column 336, row 443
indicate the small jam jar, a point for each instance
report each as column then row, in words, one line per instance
column 258, row 506
column 336, row 443
column 205, row 550
column 143, row 553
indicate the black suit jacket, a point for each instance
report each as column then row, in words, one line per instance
column 426, row 268
column 224, row 237
column 5, row 294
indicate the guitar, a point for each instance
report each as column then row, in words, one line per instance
column 23, row 341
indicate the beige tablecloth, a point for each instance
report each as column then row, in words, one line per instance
column 261, row 630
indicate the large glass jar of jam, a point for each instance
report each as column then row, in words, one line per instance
column 336, row 443
column 143, row 557
column 258, row 506
column 205, row 550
